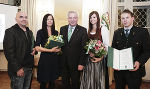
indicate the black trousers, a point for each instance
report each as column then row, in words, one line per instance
column 44, row 84
column 131, row 78
column 70, row 77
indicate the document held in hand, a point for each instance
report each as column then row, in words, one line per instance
column 120, row 59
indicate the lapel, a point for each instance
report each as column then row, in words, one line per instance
column 74, row 33
column 65, row 36
column 122, row 32
column 132, row 33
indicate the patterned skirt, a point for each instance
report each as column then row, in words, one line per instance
column 93, row 75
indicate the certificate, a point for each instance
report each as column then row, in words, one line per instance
column 120, row 59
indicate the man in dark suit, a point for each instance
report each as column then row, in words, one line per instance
column 138, row 38
column 73, row 53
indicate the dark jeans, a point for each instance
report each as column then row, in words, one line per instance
column 24, row 82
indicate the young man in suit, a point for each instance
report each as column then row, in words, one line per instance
column 73, row 53
column 138, row 38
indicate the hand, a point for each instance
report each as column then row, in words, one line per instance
column 91, row 54
column 55, row 49
column 117, row 69
column 20, row 72
column 136, row 66
column 80, row 67
column 33, row 51
column 97, row 59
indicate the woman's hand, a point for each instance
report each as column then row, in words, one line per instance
column 41, row 49
column 55, row 49
column 96, row 59
column 91, row 54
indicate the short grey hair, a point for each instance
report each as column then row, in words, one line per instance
column 72, row 12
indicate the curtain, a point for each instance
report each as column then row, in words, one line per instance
column 29, row 7
column 113, row 10
column 113, row 16
column 35, row 10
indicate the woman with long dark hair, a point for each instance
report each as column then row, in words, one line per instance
column 94, row 73
column 48, row 67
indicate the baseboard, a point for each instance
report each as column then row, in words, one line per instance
column 3, row 69
column 146, row 80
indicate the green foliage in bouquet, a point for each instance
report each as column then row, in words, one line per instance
column 54, row 41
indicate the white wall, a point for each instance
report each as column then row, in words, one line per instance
column 10, row 14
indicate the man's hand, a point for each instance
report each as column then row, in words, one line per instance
column 80, row 67
column 136, row 66
column 20, row 72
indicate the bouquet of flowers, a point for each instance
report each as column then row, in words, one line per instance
column 54, row 41
column 96, row 47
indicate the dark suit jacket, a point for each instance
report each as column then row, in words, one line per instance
column 73, row 52
column 138, row 39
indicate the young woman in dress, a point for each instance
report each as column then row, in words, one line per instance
column 48, row 66
column 94, row 73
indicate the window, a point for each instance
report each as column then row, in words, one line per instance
column 140, row 0
column 141, row 11
column 120, row 0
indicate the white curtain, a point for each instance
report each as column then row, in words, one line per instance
column 87, row 7
column 113, row 16
column 35, row 10
column 43, row 7
column 113, row 11
column 29, row 7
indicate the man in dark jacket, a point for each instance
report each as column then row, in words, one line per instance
column 138, row 38
column 18, row 49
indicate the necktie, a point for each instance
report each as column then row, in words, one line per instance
column 126, row 32
column 69, row 33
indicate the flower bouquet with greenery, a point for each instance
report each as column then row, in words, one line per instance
column 96, row 47
column 54, row 41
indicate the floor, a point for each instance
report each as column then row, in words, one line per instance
column 5, row 83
